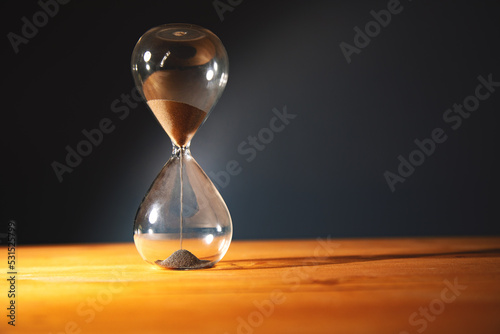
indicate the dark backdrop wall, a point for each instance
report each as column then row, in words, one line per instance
column 362, row 88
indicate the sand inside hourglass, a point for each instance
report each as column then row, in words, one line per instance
column 182, row 259
column 180, row 120
column 163, row 250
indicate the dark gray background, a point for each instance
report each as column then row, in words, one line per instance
column 322, row 175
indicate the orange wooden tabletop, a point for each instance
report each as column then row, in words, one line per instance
column 412, row 285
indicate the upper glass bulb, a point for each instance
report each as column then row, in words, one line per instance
column 181, row 70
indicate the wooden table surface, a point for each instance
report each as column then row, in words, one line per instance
column 417, row 285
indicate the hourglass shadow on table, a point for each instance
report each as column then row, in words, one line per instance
column 290, row 262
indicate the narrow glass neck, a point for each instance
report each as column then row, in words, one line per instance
column 177, row 151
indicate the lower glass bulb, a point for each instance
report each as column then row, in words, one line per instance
column 183, row 222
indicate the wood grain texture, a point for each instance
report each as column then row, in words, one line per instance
column 306, row 286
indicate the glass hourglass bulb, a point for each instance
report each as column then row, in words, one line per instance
column 182, row 223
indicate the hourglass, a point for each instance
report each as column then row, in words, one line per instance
column 182, row 223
